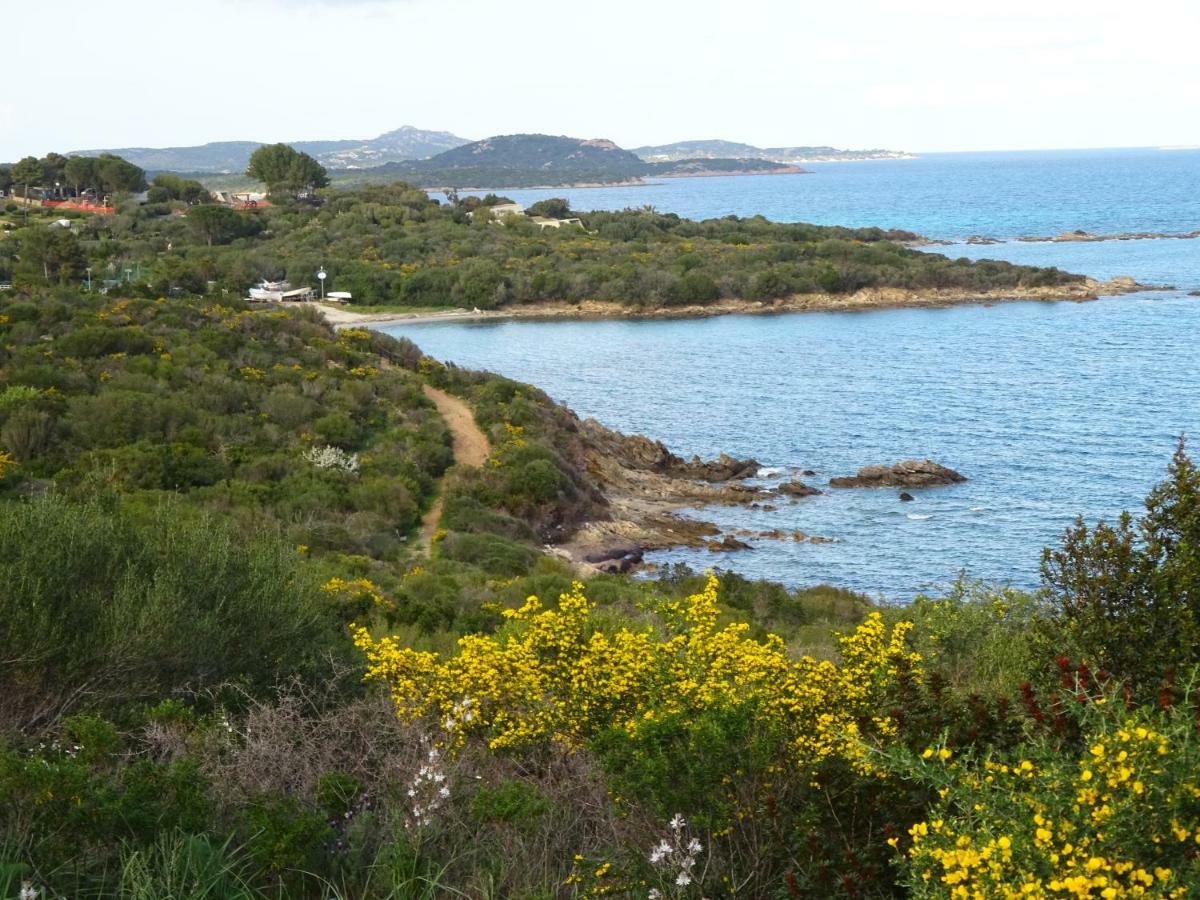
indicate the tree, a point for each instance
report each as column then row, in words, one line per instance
column 172, row 187
column 53, row 167
column 26, row 172
column 52, row 254
column 116, row 174
column 1129, row 595
column 551, row 208
column 82, row 172
column 284, row 170
column 6, row 179
column 217, row 224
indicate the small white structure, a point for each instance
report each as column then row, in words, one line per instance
column 61, row 223
column 339, row 296
column 544, row 222
column 279, row 292
column 500, row 210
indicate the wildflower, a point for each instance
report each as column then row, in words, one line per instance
column 427, row 791
column 28, row 891
column 330, row 457
column 675, row 855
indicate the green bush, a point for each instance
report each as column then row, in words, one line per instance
column 111, row 605
column 1129, row 597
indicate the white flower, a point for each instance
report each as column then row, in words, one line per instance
column 28, row 891
column 330, row 457
column 677, row 822
column 683, row 879
column 694, row 846
column 655, row 894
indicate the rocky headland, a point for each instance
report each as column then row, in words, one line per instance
column 866, row 299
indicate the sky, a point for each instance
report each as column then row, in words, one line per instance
column 915, row 75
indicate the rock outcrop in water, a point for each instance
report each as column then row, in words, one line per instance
column 797, row 489
column 911, row 473
column 1081, row 236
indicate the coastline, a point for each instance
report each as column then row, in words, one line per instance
column 867, row 299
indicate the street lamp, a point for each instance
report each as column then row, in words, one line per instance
column 321, row 276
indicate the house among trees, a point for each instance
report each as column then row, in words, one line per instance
column 241, row 200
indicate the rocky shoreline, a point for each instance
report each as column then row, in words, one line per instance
column 1078, row 236
column 647, row 490
column 867, row 299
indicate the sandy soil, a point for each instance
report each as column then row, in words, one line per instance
column 471, row 448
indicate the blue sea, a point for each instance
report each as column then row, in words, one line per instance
column 1052, row 410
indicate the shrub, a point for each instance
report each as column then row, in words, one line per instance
column 104, row 604
column 1120, row 818
column 1128, row 597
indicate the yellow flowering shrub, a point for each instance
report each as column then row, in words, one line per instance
column 356, row 594
column 562, row 675
column 1119, row 819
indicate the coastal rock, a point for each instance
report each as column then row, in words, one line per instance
column 909, row 473
column 729, row 542
column 723, row 468
column 640, row 453
column 614, row 566
column 1081, row 236
column 797, row 489
column 980, row 239
column 1194, row 293
column 808, row 473
column 906, row 497
column 631, row 552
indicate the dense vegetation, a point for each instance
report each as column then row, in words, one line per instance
column 394, row 245
column 203, row 509
column 105, row 173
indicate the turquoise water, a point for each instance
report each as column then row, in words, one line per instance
column 1051, row 409
column 943, row 195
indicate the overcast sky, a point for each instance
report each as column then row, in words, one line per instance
column 920, row 75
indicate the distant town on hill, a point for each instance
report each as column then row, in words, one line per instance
column 439, row 159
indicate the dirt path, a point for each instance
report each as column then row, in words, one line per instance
column 471, row 448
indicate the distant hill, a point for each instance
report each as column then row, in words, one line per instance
column 528, row 160
column 404, row 143
column 717, row 149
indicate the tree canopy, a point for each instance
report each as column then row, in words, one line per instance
column 1130, row 594
column 285, row 170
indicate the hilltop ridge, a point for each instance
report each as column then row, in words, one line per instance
column 222, row 157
